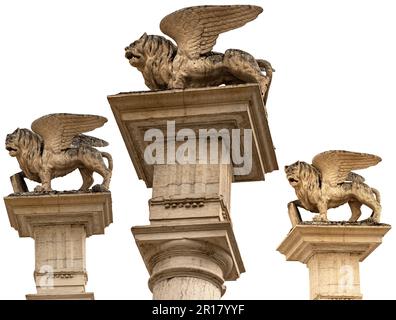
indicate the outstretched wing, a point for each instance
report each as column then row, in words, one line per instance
column 59, row 129
column 195, row 29
column 336, row 165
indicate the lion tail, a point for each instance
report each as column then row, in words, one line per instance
column 377, row 194
column 109, row 159
column 264, row 65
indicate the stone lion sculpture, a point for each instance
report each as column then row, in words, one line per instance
column 56, row 147
column 192, row 63
column 329, row 183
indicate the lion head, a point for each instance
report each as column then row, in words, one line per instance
column 302, row 175
column 23, row 141
column 147, row 55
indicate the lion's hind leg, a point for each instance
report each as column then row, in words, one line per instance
column 106, row 179
column 376, row 207
column 355, row 209
column 244, row 66
column 369, row 197
column 87, row 177
column 105, row 172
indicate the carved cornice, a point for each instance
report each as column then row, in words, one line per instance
column 61, row 274
column 191, row 202
column 93, row 210
column 305, row 240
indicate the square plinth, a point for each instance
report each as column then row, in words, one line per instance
column 306, row 240
column 227, row 107
column 219, row 233
column 29, row 210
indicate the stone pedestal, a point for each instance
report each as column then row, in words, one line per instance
column 332, row 253
column 189, row 247
column 59, row 223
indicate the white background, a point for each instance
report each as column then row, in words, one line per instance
column 334, row 88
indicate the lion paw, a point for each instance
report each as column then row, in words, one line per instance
column 320, row 218
column 40, row 189
column 99, row 188
column 370, row 220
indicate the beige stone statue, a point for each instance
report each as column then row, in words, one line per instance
column 192, row 63
column 329, row 183
column 56, row 147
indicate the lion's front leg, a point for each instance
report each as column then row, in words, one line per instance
column 45, row 186
column 294, row 213
column 177, row 82
column 322, row 216
column 182, row 67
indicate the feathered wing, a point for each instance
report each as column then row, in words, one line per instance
column 85, row 140
column 58, row 130
column 196, row 29
column 335, row 166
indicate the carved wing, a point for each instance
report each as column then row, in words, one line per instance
column 335, row 166
column 84, row 140
column 59, row 129
column 195, row 29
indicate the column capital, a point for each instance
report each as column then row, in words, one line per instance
column 189, row 261
column 228, row 107
column 309, row 238
column 93, row 210
column 217, row 239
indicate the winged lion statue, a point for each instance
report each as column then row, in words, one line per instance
column 192, row 63
column 56, row 147
column 329, row 183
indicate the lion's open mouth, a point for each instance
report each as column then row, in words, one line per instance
column 129, row 55
column 292, row 180
column 9, row 149
column 12, row 151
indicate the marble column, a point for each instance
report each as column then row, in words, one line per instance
column 60, row 223
column 189, row 246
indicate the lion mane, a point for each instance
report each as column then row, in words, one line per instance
column 29, row 146
column 310, row 176
column 154, row 55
